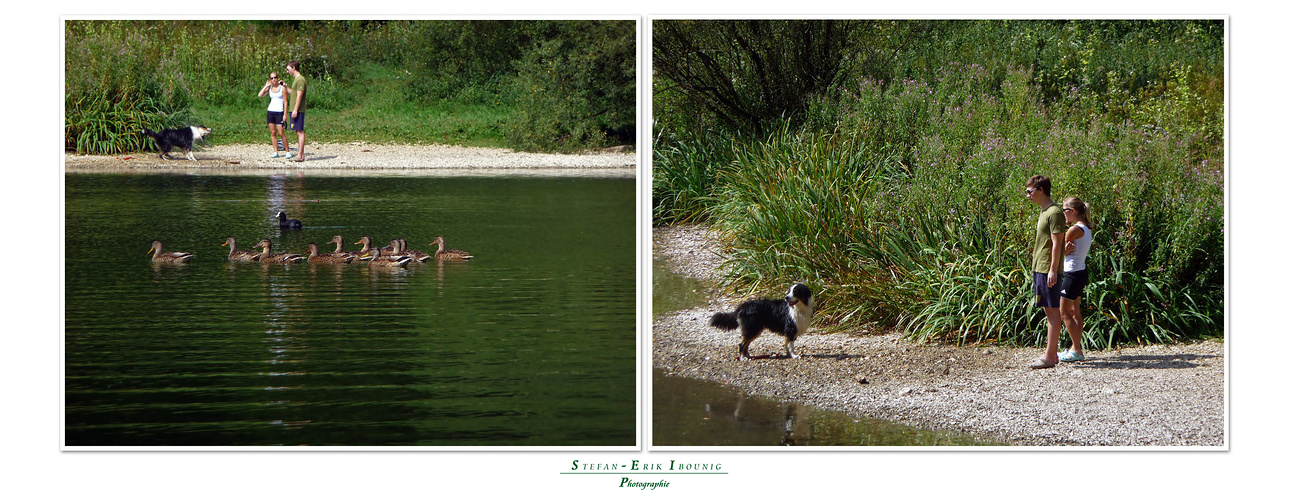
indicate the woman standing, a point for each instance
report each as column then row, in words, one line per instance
column 1075, row 276
column 277, row 92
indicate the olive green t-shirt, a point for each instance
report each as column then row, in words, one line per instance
column 1051, row 221
column 297, row 86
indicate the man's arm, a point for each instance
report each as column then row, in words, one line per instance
column 1059, row 241
column 300, row 96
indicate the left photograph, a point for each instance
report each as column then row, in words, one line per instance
column 350, row 233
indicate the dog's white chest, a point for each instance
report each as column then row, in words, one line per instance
column 801, row 317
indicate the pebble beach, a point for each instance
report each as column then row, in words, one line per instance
column 1135, row 396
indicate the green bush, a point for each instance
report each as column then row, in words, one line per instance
column 576, row 86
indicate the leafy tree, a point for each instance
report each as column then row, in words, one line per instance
column 576, row 86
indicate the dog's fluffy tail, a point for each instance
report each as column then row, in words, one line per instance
column 148, row 133
column 725, row 321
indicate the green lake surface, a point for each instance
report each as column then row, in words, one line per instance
column 532, row 343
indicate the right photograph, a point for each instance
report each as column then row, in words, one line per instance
column 892, row 233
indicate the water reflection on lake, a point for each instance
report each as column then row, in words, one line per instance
column 531, row 343
column 689, row 412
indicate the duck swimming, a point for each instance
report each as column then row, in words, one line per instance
column 175, row 257
column 284, row 222
column 445, row 253
column 367, row 245
column 236, row 255
column 379, row 260
column 339, row 247
column 327, row 258
column 268, row 257
column 417, row 255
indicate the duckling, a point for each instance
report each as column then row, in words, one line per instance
column 327, row 258
column 379, row 260
column 268, row 257
column 236, row 255
column 416, row 255
column 175, row 257
column 445, row 253
column 284, row 222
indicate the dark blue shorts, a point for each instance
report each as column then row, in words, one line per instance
column 274, row 117
column 298, row 123
column 1044, row 295
column 1073, row 284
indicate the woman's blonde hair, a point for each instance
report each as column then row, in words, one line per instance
column 1082, row 209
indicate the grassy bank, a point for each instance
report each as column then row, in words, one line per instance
column 527, row 85
column 901, row 199
column 379, row 113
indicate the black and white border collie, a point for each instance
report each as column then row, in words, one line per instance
column 182, row 138
column 790, row 317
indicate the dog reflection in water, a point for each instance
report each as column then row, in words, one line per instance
column 751, row 417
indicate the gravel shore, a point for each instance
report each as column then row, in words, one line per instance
column 1157, row 395
column 358, row 158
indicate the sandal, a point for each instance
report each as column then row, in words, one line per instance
column 275, row 155
column 1069, row 356
column 1042, row 363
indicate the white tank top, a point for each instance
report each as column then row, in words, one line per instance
column 275, row 100
column 1075, row 261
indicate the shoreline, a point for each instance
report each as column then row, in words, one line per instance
column 1154, row 395
column 362, row 158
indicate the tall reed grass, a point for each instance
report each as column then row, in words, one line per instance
column 902, row 203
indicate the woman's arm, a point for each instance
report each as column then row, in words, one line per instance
column 1074, row 233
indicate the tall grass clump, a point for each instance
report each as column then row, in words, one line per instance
column 909, row 211
column 114, row 92
column 794, row 207
column 685, row 175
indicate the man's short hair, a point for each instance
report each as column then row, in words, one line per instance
column 294, row 64
column 1041, row 182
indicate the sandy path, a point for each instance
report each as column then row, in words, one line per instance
column 356, row 158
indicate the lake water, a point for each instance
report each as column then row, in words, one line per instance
column 532, row 343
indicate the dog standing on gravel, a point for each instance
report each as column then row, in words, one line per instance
column 790, row 317
column 177, row 137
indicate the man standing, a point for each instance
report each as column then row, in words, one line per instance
column 1046, row 263
column 297, row 109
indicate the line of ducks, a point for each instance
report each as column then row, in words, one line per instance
column 396, row 254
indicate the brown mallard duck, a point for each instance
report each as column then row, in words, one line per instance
column 236, row 255
column 445, row 253
column 268, row 257
column 379, row 259
column 175, row 257
column 340, row 248
column 416, row 255
column 327, row 258
column 367, row 245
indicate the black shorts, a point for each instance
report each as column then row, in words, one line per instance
column 275, row 117
column 1046, row 296
column 1073, row 284
column 298, row 123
